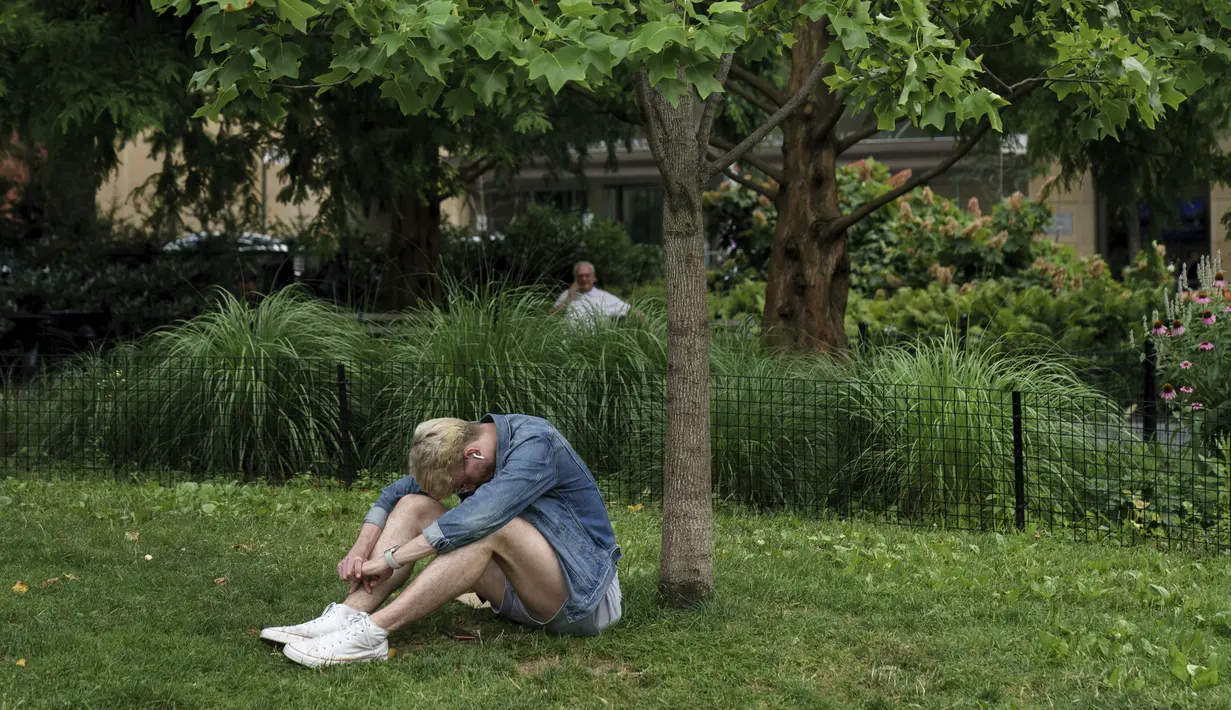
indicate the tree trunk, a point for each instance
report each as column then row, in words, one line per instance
column 809, row 270
column 414, row 252
column 686, row 568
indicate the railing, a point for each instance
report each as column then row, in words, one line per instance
column 906, row 453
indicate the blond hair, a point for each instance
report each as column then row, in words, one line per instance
column 436, row 450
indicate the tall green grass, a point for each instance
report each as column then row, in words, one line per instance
column 921, row 434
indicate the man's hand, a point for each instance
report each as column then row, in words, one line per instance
column 574, row 291
column 373, row 573
column 350, row 569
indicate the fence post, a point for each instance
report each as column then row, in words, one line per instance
column 1019, row 464
column 344, row 440
column 962, row 322
column 863, row 334
column 1149, row 402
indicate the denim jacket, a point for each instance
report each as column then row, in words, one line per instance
column 540, row 478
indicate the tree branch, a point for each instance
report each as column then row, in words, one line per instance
column 617, row 111
column 770, row 171
column 750, row 184
column 735, row 88
column 769, row 90
column 478, row 168
column 850, row 141
column 847, row 220
column 779, row 116
column 831, row 121
column 706, row 127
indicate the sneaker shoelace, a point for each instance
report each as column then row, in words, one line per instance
column 349, row 633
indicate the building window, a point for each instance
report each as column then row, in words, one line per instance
column 640, row 209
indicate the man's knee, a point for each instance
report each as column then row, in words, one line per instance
column 513, row 534
column 420, row 510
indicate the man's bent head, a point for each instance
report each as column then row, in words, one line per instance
column 437, row 452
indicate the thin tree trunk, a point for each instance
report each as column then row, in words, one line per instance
column 686, row 568
column 809, row 271
column 414, row 252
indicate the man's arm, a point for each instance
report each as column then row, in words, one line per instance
column 565, row 298
column 528, row 473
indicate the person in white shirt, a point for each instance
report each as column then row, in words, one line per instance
column 584, row 300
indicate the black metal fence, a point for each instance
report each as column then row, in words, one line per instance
column 906, row 453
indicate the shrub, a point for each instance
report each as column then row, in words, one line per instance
column 541, row 246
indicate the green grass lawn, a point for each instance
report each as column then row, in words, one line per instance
column 817, row 614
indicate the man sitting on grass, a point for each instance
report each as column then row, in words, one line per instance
column 531, row 536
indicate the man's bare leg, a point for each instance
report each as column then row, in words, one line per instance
column 412, row 514
column 517, row 552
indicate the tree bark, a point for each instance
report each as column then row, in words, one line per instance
column 414, row 252
column 809, row 271
column 686, row 568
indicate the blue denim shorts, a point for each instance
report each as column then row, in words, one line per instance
column 605, row 614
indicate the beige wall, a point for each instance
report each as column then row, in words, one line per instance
column 135, row 167
column 1075, row 212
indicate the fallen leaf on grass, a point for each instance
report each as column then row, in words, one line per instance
column 48, row 582
column 393, row 652
column 132, row 536
column 148, row 558
column 71, row 577
column 220, row 582
column 21, row 587
column 252, row 631
column 637, row 507
column 21, row 663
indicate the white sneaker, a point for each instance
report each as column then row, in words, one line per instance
column 335, row 618
column 360, row 641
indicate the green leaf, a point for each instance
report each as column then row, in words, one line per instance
column 235, row 68
column 816, row 9
column 391, row 41
column 487, row 41
column 1139, row 76
column 655, row 35
column 272, row 108
column 560, row 67
column 211, row 110
column 202, row 77
column 578, row 8
column 1179, row 664
column 284, row 60
column 896, row 34
column 431, row 60
column 335, row 74
column 488, row 82
column 401, row 90
column 937, row 112
column 297, row 12
column 460, row 103
column 1018, row 27
column 702, row 77
column 719, row 8
column 852, row 34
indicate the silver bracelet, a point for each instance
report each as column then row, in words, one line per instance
column 389, row 558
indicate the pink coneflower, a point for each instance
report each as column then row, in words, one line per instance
column 1198, row 405
column 1168, row 392
column 1226, row 309
column 1219, row 281
column 1177, row 328
column 1202, row 298
column 1205, row 345
column 1186, row 389
column 1160, row 329
column 1207, row 318
column 1185, row 365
